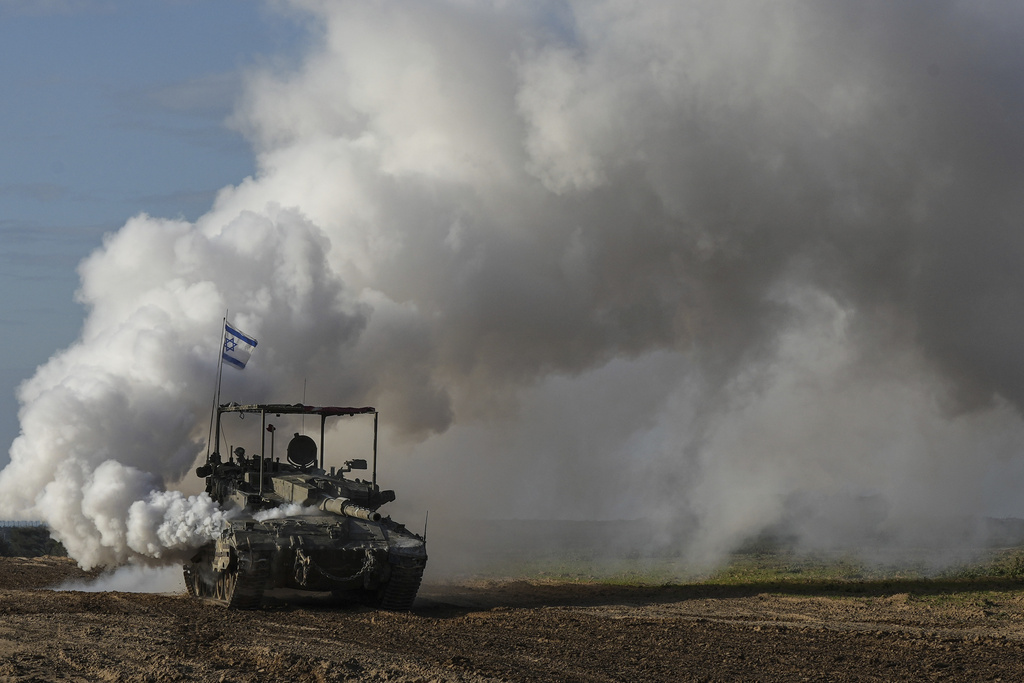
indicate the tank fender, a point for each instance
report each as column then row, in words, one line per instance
column 223, row 556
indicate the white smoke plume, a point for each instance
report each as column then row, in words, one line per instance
column 726, row 264
column 289, row 510
column 132, row 578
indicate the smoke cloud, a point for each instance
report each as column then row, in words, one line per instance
column 727, row 265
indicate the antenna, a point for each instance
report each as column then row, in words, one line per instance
column 304, row 415
column 375, row 414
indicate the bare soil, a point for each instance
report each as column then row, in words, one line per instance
column 518, row 631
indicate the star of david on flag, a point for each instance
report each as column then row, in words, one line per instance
column 238, row 346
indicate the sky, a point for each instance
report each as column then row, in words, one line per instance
column 110, row 108
column 726, row 266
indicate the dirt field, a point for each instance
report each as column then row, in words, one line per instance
column 518, row 631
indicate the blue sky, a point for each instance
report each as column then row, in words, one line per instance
column 109, row 108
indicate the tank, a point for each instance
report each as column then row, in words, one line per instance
column 300, row 525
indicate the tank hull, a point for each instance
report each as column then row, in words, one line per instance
column 377, row 562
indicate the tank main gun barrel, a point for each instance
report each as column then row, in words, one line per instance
column 343, row 506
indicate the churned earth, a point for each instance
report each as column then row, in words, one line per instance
column 520, row 631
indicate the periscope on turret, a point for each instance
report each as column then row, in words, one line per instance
column 301, row 525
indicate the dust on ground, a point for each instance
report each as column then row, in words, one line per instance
column 516, row 631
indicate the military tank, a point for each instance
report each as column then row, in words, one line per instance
column 301, row 525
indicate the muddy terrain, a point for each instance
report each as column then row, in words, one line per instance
column 519, row 631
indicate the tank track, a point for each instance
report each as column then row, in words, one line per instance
column 190, row 574
column 246, row 587
column 400, row 591
column 238, row 588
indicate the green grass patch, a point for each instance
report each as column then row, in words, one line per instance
column 976, row 579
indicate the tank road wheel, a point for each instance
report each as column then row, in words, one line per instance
column 224, row 588
column 400, row 591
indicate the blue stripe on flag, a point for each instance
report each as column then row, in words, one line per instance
column 234, row 361
column 235, row 333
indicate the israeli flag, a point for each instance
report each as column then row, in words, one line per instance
column 238, row 346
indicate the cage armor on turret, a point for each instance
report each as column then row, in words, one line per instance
column 301, row 525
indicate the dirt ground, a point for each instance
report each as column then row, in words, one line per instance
column 515, row 631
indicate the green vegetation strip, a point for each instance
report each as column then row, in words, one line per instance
column 930, row 576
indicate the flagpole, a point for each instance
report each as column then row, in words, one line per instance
column 220, row 373
column 220, row 356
